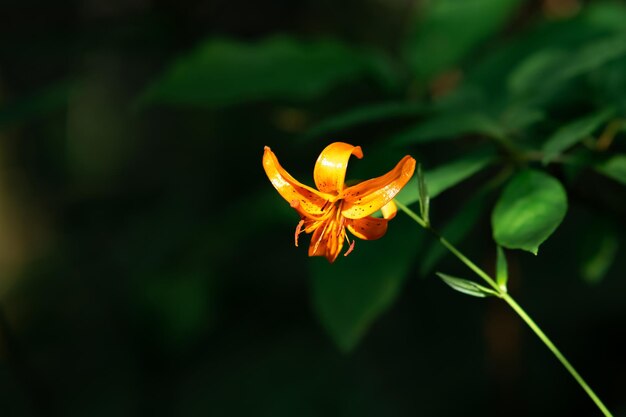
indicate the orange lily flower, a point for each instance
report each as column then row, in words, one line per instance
column 333, row 207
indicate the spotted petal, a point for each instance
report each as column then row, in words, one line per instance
column 330, row 168
column 367, row 228
column 369, row 196
column 306, row 200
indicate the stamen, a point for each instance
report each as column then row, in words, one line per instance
column 319, row 240
column 339, row 221
column 299, row 230
column 341, row 227
column 350, row 249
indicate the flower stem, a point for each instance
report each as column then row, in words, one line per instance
column 514, row 305
column 546, row 340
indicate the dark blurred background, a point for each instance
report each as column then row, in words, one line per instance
column 147, row 265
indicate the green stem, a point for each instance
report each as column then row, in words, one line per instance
column 546, row 340
column 516, row 307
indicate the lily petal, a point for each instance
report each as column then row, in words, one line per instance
column 389, row 210
column 305, row 200
column 367, row 228
column 331, row 165
column 369, row 196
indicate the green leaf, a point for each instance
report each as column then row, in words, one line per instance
column 221, row 72
column 448, row 126
column 502, row 270
column 528, row 211
column 614, row 168
column 455, row 230
column 466, row 287
column 446, row 176
column 572, row 133
column 351, row 293
column 49, row 99
column 363, row 115
column 451, row 29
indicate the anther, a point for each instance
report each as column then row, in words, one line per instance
column 299, row 230
column 319, row 240
column 350, row 249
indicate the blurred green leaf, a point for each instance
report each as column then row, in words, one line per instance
column 424, row 196
column 614, row 168
column 451, row 29
column 222, row 72
column 532, row 70
column 446, row 176
column 528, row 211
column 592, row 56
column 49, row 99
column 516, row 118
column 543, row 42
column 599, row 249
column 447, row 126
column 545, row 72
column 609, row 15
column 351, row 293
column 572, row 133
column 609, row 84
column 363, row 115
column 502, row 269
column 443, row 177
column 455, row 231
column 466, row 287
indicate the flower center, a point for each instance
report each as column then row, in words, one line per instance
column 333, row 228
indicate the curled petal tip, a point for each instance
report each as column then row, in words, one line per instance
column 266, row 148
column 410, row 166
column 331, row 165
